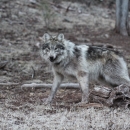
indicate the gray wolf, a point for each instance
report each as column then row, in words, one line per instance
column 85, row 63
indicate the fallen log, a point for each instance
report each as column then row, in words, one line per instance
column 118, row 96
column 101, row 91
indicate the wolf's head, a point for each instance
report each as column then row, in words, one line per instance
column 53, row 48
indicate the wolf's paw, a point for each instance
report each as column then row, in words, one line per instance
column 81, row 103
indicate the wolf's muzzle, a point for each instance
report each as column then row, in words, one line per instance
column 52, row 58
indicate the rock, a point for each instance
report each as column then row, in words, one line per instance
column 88, row 40
column 21, row 13
column 3, row 64
column 31, row 10
column 4, row 15
column 67, row 20
column 79, row 11
column 106, row 35
column 105, row 15
column 33, row 1
column 31, row 94
column 14, row 16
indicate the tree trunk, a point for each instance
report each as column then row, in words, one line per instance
column 118, row 14
column 122, row 25
column 124, row 17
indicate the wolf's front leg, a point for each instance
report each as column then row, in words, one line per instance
column 56, row 83
column 84, row 84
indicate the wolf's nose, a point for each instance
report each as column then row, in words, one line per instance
column 51, row 58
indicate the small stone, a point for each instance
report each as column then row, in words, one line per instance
column 106, row 35
column 21, row 13
column 79, row 11
column 14, row 16
column 31, row 94
column 31, row 10
column 33, row 1
column 88, row 40
column 67, row 20
column 4, row 15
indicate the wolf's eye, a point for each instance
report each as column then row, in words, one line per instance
column 56, row 48
column 60, row 47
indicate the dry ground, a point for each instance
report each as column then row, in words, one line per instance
column 21, row 24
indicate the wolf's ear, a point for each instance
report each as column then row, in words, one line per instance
column 60, row 37
column 45, row 37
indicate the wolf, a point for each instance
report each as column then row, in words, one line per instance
column 85, row 63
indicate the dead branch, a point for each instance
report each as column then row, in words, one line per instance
column 8, row 84
column 35, row 85
column 67, row 9
column 95, row 105
column 60, row 6
column 33, row 73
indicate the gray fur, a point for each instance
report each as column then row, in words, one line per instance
column 83, row 62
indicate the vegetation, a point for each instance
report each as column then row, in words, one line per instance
column 47, row 13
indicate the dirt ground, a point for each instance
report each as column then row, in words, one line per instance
column 21, row 24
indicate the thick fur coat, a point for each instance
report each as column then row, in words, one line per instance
column 85, row 63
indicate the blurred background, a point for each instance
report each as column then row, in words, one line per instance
column 22, row 22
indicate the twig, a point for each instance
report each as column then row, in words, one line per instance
column 44, row 85
column 33, row 74
column 67, row 9
column 60, row 6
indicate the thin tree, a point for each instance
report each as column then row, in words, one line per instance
column 122, row 23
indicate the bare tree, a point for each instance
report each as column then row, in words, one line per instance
column 122, row 9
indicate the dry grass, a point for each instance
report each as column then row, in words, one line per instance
column 40, row 117
column 23, row 110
